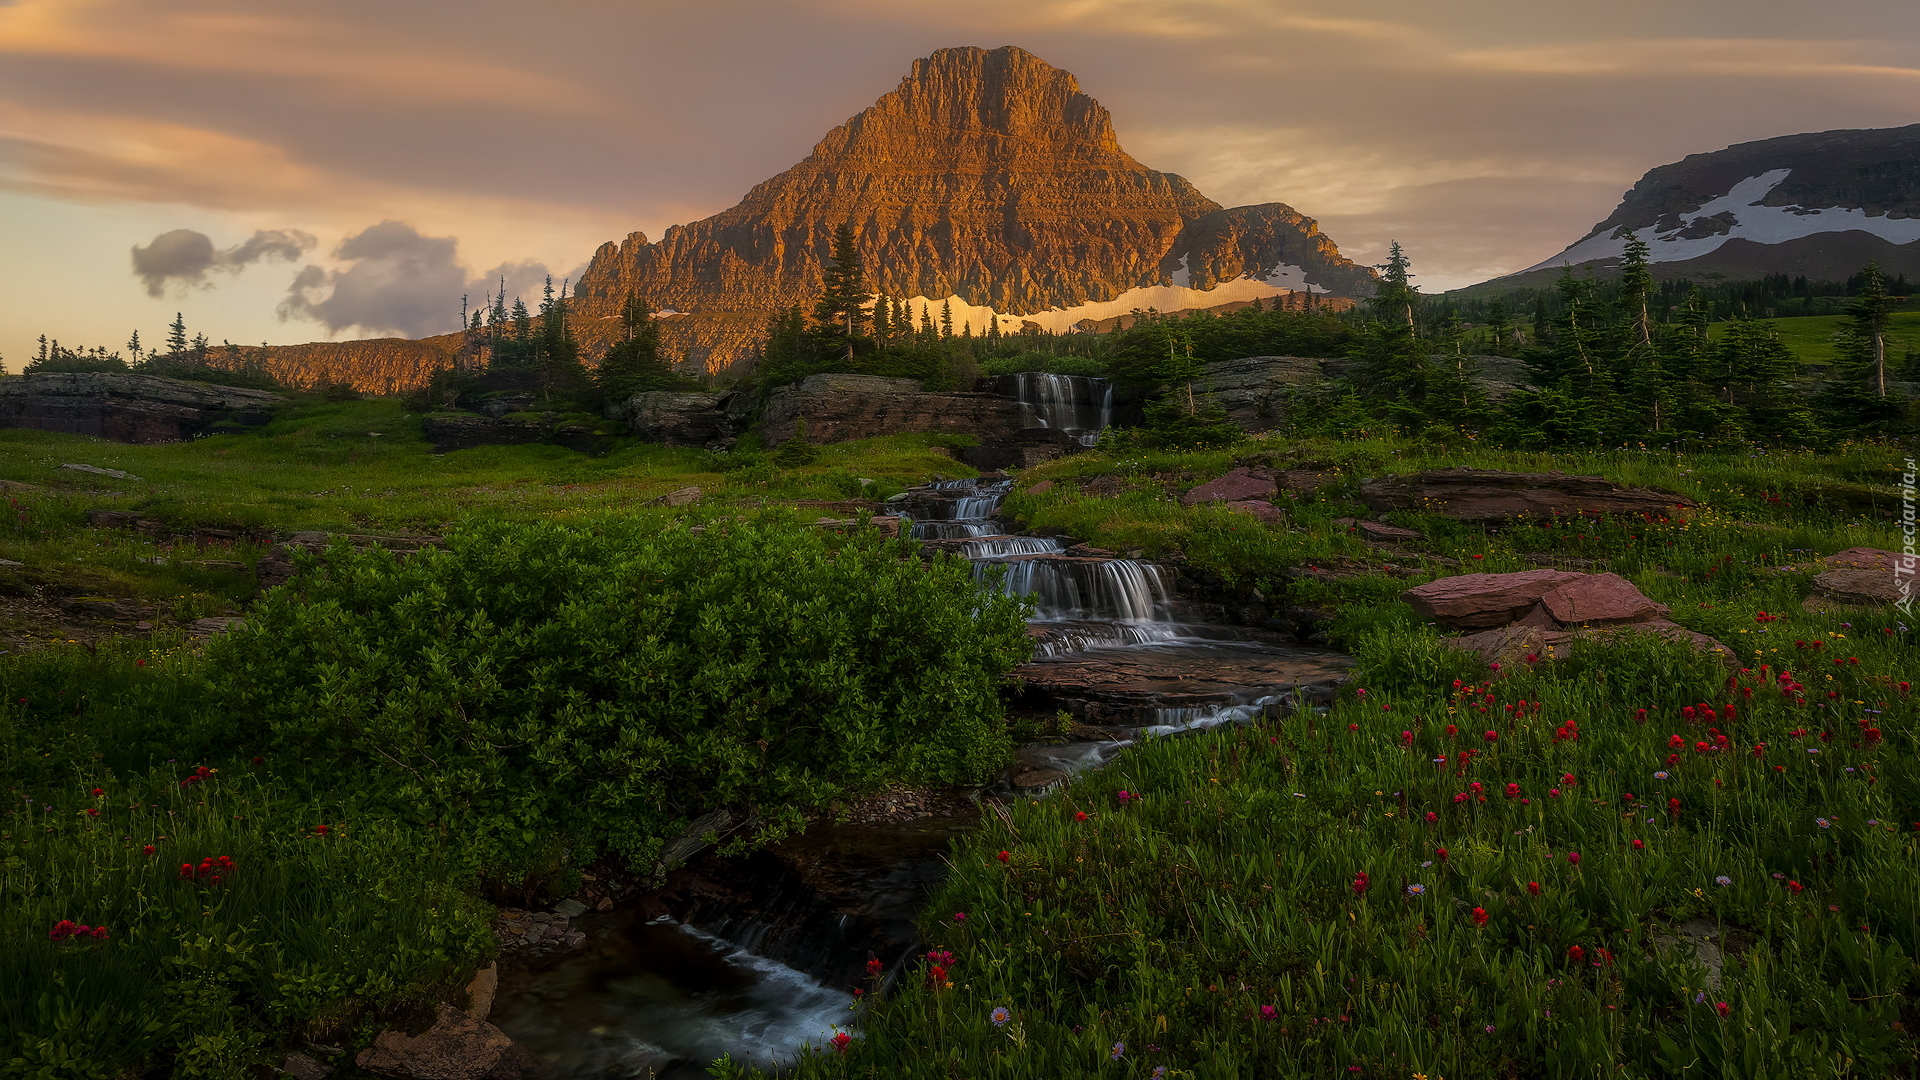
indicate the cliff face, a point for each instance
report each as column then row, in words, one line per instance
column 986, row 177
column 1821, row 205
column 127, row 407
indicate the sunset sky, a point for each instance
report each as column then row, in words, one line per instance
column 1485, row 135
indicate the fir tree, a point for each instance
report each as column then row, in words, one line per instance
column 1863, row 339
column 177, row 335
column 841, row 315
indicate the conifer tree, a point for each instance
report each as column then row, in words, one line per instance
column 946, row 318
column 177, row 335
column 841, row 315
column 1863, row 339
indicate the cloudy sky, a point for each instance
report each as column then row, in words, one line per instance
column 288, row 172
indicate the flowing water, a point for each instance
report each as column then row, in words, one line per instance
column 752, row 971
column 1081, row 407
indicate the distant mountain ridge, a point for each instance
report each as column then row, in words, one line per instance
column 986, row 180
column 1820, row 205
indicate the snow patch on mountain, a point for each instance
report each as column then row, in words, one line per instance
column 1738, row 215
column 1279, row 281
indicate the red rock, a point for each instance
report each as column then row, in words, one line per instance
column 1259, row 508
column 1601, row 598
column 1861, row 558
column 1509, row 646
column 1482, row 601
column 457, row 1047
column 1379, row 531
column 1237, row 486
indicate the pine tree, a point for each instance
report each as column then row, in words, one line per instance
column 1499, row 326
column 177, row 335
column 946, row 318
column 841, row 315
column 1863, row 339
column 635, row 365
column 133, row 346
column 1398, row 369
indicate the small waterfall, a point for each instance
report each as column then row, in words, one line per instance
column 1114, row 589
column 1076, row 404
column 1001, row 547
column 955, row 530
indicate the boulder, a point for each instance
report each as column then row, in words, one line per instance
column 677, row 419
column 1488, row 496
column 1236, row 486
column 130, row 408
column 678, row 497
column 457, row 1047
column 1379, row 531
column 1259, row 508
column 1867, row 576
column 302, row 1067
column 1483, row 601
column 1596, row 599
column 1511, row 646
column 481, row 990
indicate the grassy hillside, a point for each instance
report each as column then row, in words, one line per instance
column 1811, row 336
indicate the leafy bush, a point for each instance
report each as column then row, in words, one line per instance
column 606, row 684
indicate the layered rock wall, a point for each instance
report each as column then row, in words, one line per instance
column 127, row 407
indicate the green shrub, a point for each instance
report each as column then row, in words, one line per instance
column 608, row 683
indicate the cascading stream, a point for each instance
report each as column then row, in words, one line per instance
column 1078, row 405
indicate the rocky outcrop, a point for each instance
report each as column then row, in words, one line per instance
column 1259, row 392
column 1819, row 205
column 457, row 1047
column 1868, row 577
column 1540, row 615
column 837, row 408
column 678, row 419
column 1133, row 687
column 1236, row 486
column 130, row 408
column 1487, row 496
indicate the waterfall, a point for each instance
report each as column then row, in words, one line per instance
column 1121, row 590
column 1076, row 404
column 1001, row 547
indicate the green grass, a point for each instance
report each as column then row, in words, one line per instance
column 1811, row 336
column 1212, row 925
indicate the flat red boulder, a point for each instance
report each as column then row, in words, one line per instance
column 1484, row 601
column 1597, row 599
column 1237, row 486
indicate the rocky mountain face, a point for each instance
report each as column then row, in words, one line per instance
column 986, row 177
column 1820, row 205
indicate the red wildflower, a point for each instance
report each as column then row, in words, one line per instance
column 148, row 850
column 1440, row 853
column 1004, row 856
column 97, row 792
column 875, row 967
column 1480, row 916
column 1081, row 815
column 1573, row 857
column 1638, row 844
column 959, row 916
column 841, row 1041
column 1492, row 736
column 1513, row 790
column 1361, row 883
column 1576, row 954
column 322, row 829
column 1795, row 888
column 1721, row 1008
